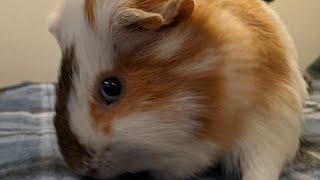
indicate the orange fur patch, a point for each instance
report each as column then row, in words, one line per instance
column 89, row 10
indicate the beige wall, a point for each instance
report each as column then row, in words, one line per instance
column 28, row 52
column 302, row 18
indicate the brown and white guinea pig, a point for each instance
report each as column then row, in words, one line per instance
column 173, row 86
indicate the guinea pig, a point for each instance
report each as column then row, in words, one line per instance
column 174, row 86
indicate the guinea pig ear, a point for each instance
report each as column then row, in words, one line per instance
column 178, row 10
column 142, row 18
column 52, row 21
column 172, row 10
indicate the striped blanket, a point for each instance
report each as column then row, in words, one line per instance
column 28, row 147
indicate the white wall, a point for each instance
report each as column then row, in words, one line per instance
column 28, row 52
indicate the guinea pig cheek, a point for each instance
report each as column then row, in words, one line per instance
column 101, row 120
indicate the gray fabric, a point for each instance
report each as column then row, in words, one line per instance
column 28, row 97
column 28, row 147
column 27, row 138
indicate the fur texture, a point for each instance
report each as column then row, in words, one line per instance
column 203, row 79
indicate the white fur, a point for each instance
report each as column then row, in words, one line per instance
column 92, row 55
column 151, row 141
column 271, row 140
column 52, row 23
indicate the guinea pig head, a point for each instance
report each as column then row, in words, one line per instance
column 139, row 87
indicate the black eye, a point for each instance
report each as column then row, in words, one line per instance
column 111, row 89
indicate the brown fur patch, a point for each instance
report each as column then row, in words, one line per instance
column 89, row 11
column 69, row 146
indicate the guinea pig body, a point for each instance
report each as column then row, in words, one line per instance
column 173, row 86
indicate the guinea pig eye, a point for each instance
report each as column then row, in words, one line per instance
column 111, row 89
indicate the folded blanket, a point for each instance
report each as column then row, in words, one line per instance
column 28, row 147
